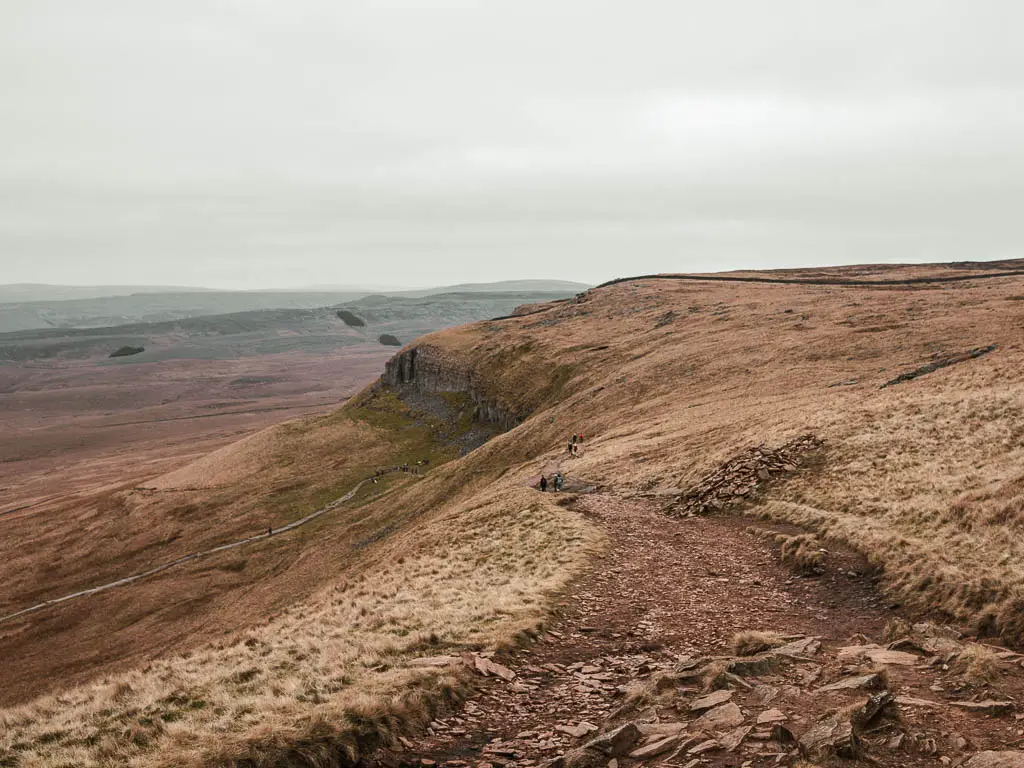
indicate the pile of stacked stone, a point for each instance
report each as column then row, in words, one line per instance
column 741, row 475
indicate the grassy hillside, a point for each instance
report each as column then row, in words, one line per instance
column 672, row 378
column 334, row 615
column 302, row 654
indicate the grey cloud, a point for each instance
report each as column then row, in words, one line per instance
column 264, row 143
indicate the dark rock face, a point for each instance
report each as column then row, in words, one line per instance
column 127, row 351
column 350, row 319
column 427, row 369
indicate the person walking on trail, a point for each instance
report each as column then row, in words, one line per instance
column 558, row 481
column 543, row 483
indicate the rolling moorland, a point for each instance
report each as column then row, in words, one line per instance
column 29, row 307
column 76, row 419
column 266, row 331
column 790, row 537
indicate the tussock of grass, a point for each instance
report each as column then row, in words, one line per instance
column 716, row 676
column 977, row 665
column 753, row 642
column 803, row 552
column 897, row 628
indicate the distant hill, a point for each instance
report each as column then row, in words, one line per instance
column 111, row 311
column 108, row 306
column 22, row 292
column 565, row 287
column 232, row 335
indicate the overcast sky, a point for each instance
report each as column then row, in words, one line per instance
column 273, row 143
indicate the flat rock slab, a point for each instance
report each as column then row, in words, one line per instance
column 732, row 740
column 721, row 717
column 710, row 701
column 486, row 667
column 578, row 731
column 805, row 647
column 771, row 716
column 661, row 730
column 832, row 736
column 996, row 760
column 435, row 661
column 616, row 743
column 705, row 746
column 987, row 707
column 911, row 701
column 871, row 681
column 656, row 748
column 878, row 655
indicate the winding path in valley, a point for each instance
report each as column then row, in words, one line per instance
column 136, row 577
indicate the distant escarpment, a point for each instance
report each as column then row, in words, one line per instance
column 430, row 369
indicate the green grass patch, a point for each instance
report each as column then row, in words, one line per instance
column 409, row 437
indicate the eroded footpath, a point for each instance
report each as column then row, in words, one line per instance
column 640, row 669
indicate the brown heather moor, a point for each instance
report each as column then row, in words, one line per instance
column 667, row 380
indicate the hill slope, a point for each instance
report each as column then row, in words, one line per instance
column 305, row 652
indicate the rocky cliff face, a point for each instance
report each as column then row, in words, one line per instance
column 431, row 370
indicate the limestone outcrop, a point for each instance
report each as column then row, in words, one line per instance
column 429, row 369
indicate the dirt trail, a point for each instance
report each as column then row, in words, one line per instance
column 667, row 590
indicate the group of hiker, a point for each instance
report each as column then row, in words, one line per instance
column 406, row 467
column 412, row 470
column 557, row 482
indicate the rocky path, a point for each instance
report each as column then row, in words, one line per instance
column 646, row 635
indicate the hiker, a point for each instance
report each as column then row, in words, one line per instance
column 574, row 438
column 543, row 483
column 270, row 530
column 570, row 446
column 558, row 481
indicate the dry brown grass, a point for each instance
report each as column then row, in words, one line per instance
column 333, row 672
column 753, row 642
column 977, row 665
column 803, row 552
column 923, row 477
